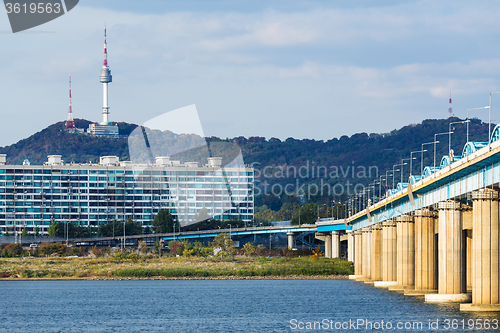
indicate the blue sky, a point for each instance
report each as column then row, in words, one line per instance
column 302, row 69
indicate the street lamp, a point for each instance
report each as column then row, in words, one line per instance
column 403, row 161
column 449, row 138
column 468, row 121
column 299, row 216
column 318, row 209
column 374, row 194
column 380, row 186
column 435, row 135
column 422, row 155
column 489, row 120
column 400, row 164
column 414, row 158
column 333, row 205
column 229, row 232
column 386, row 178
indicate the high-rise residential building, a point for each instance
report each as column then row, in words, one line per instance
column 93, row 194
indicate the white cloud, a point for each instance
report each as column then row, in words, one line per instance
column 280, row 67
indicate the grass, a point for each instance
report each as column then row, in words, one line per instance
column 170, row 267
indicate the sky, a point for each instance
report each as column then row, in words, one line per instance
column 289, row 68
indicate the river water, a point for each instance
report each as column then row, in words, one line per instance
column 222, row 306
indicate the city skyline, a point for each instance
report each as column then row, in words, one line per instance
column 339, row 68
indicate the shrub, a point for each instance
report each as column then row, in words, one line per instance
column 53, row 248
column 13, row 250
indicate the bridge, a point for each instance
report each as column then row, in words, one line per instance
column 294, row 233
column 436, row 235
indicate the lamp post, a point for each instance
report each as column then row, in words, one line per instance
column 374, row 194
column 333, row 205
column 229, row 232
column 386, row 178
column 402, row 168
column 380, row 186
column 435, row 136
column 414, row 158
column 422, row 156
column 489, row 120
column 400, row 164
column 468, row 120
column 449, row 138
column 318, row 209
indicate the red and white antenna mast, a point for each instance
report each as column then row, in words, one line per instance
column 450, row 109
column 70, row 123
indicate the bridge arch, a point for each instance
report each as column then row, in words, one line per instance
column 414, row 178
column 445, row 161
column 401, row 186
column 496, row 134
column 471, row 147
column 429, row 170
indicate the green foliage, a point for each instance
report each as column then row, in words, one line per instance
column 53, row 248
column 176, row 247
column 116, row 228
column 163, row 222
column 133, row 256
column 263, row 267
column 52, row 229
column 225, row 243
column 25, row 232
column 74, row 147
column 12, row 250
column 119, row 256
column 248, row 249
column 74, row 231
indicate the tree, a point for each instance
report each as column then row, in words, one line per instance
column 133, row 227
column 176, row 247
column 37, row 231
column 249, row 249
column 224, row 242
column 163, row 222
column 52, row 230
column 74, row 231
column 25, row 232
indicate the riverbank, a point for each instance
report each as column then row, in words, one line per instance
column 172, row 268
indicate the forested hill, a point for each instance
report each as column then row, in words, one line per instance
column 361, row 150
column 78, row 148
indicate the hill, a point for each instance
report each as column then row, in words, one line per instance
column 292, row 164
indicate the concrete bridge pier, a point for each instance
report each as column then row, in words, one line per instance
column 425, row 254
column 405, row 237
column 451, row 256
column 350, row 246
column 376, row 253
column 328, row 246
column 357, row 254
column 335, row 244
column 366, row 237
column 290, row 240
column 389, row 255
column 486, row 252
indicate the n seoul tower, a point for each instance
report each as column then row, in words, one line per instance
column 105, row 78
